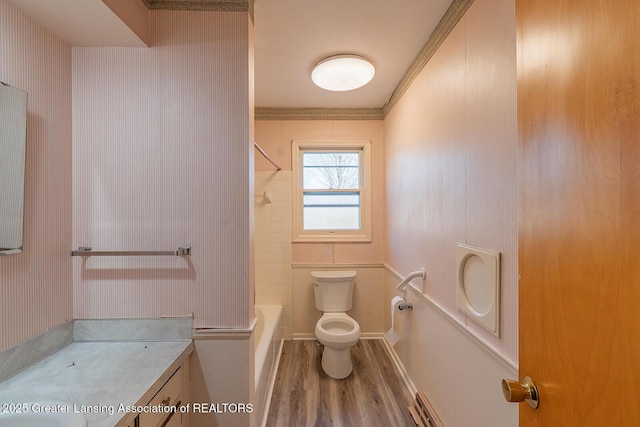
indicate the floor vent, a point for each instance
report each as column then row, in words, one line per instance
column 422, row 412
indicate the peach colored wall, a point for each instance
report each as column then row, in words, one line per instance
column 450, row 151
column 368, row 304
column 450, row 161
column 35, row 286
column 163, row 157
column 276, row 280
column 275, row 137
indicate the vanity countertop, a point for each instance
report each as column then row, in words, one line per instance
column 98, row 378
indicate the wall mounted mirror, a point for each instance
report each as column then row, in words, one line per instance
column 13, row 140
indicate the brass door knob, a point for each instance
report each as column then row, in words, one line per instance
column 513, row 391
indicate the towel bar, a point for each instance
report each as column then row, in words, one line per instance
column 88, row 251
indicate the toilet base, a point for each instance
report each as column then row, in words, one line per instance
column 337, row 362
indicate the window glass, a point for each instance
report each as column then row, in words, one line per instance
column 331, row 170
column 332, row 200
column 331, row 211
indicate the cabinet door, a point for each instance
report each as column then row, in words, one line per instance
column 175, row 420
column 169, row 395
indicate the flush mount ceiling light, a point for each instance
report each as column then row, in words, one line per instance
column 343, row 72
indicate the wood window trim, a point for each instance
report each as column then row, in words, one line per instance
column 361, row 235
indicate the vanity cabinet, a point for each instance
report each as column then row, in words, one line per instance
column 173, row 394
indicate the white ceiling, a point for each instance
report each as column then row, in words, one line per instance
column 290, row 37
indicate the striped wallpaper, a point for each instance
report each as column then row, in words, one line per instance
column 163, row 158
column 36, row 285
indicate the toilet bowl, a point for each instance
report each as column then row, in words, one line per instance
column 338, row 333
column 335, row 330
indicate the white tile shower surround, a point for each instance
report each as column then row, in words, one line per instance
column 273, row 223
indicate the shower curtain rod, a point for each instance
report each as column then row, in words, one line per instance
column 266, row 156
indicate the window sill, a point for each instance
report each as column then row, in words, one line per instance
column 337, row 238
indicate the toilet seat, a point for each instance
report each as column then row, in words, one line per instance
column 337, row 328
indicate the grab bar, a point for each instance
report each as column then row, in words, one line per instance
column 266, row 156
column 88, row 251
column 403, row 285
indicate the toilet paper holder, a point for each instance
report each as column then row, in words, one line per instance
column 405, row 306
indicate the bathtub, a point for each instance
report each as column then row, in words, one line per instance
column 268, row 346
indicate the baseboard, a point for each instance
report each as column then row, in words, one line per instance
column 304, row 336
column 400, row 367
column 433, row 417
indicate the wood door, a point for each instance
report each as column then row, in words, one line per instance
column 579, row 212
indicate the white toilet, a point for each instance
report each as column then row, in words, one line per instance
column 335, row 330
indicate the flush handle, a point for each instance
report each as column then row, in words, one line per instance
column 514, row 391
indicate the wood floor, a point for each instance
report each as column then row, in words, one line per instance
column 373, row 395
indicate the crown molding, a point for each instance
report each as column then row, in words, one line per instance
column 215, row 5
column 318, row 114
column 202, row 5
column 440, row 33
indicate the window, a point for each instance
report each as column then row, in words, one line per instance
column 332, row 200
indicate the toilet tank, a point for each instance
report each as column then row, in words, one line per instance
column 333, row 290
